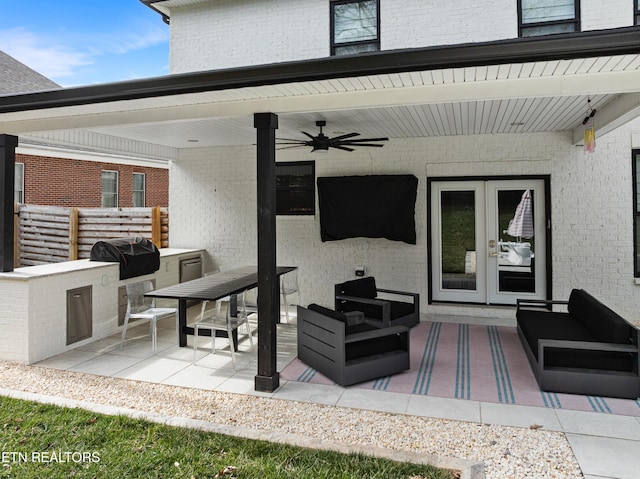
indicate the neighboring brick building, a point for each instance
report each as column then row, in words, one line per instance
column 69, row 182
column 75, row 178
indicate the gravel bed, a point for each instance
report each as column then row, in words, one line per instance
column 507, row 452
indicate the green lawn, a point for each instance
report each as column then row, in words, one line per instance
column 44, row 441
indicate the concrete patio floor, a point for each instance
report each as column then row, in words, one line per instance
column 605, row 445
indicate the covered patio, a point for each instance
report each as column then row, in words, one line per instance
column 468, row 435
column 522, row 86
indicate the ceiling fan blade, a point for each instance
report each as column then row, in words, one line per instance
column 288, row 147
column 360, row 144
column 308, row 134
column 360, row 140
column 339, row 147
column 297, row 142
column 342, row 137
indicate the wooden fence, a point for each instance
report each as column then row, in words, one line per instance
column 50, row 234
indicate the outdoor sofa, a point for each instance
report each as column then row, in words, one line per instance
column 587, row 350
column 346, row 349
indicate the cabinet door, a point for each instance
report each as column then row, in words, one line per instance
column 79, row 314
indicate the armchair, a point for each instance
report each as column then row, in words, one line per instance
column 362, row 295
column 346, row 349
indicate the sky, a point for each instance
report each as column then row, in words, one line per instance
column 84, row 42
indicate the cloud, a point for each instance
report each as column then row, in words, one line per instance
column 51, row 60
column 66, row 55
column 149, row 36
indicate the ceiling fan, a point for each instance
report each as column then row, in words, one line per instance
column 322, row 142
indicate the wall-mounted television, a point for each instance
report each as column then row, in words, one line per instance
column 373, row 206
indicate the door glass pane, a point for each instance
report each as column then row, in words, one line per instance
column 516, row 247
column 458, row 241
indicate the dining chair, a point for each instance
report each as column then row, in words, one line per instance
column 218, row 320
column 289, row 286
column 139, row 307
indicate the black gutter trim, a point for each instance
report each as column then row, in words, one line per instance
column 149, row 3
column 611, row 42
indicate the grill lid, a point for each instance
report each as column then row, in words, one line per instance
column 137, row 255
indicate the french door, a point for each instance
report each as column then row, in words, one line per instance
column 488, row 241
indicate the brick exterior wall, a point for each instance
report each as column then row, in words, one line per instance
column 78, row 183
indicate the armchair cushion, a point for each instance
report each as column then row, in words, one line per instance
column 354, row 324
column 362, row 288
column 398, row 309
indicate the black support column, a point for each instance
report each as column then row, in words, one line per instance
column 268, row 378
column 8, row 145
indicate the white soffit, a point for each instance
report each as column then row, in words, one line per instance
column 539, row 96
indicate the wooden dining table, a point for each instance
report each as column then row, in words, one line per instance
column 211, row 288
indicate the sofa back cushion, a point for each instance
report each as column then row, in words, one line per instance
column 603, row 323
column 362, row 288
column 327, row 312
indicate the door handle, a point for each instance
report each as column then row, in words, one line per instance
column 493, row 254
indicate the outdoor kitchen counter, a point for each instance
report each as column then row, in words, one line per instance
column 66, row 267
column 37, row 315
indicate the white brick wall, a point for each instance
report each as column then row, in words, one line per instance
column 416, row 23
column 600, row 14
column 33, row 317
column 232, row 33
column 591, row 196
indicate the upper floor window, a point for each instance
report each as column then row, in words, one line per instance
column 295, row 188
column 109, row 189
column 543, row 17
column 138, row 190
column 18, row 191
column 636, row 12
column 355, row 27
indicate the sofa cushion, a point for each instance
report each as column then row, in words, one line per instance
column 603, row 323
column 327, row 312
column 362, row 288
column 537, row 325
column 547, row 325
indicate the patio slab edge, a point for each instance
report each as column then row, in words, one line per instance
column 467, row 468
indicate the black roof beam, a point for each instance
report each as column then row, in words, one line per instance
column 621, row 41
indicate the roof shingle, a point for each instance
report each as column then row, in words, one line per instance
column 16, row 77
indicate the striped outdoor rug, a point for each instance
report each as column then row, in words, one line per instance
column 474, row 362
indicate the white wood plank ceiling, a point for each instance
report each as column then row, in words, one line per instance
column 514, row 98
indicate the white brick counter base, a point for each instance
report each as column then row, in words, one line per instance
column 33, row 315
